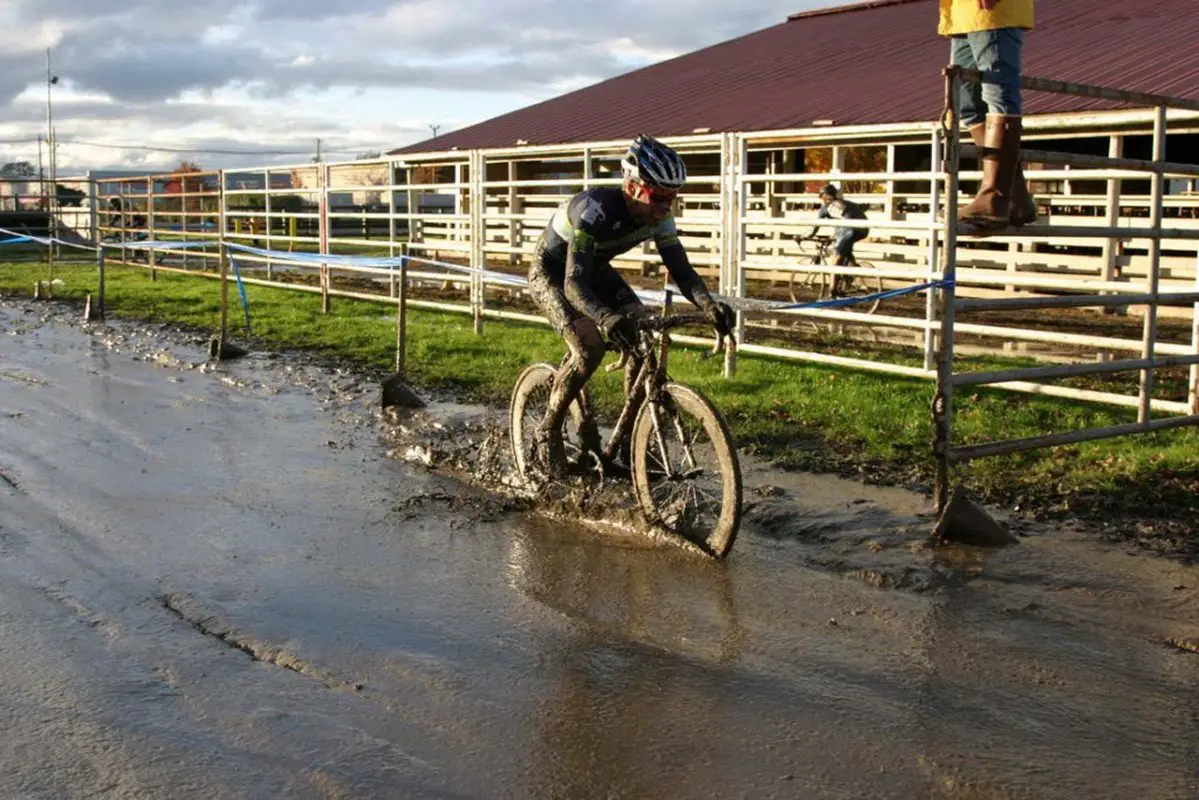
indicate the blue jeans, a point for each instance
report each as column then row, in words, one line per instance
column 996, row 54
column 845, row 239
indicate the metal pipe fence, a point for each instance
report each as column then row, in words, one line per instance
column 1151, row 357
column 748, row 196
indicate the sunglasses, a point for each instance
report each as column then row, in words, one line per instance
column 654, row 195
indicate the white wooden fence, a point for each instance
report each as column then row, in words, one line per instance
column 1104, row 242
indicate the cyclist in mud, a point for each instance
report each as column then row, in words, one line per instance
column 583, row 295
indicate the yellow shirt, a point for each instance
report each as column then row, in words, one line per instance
column 970, row 16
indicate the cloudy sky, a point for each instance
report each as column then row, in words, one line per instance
column 270, row 77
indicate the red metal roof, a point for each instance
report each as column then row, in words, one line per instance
column 871, row 62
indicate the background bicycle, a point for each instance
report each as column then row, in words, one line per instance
column 827, row 285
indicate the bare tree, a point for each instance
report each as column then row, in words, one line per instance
column 15, row 170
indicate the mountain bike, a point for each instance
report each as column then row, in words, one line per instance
column 684, row 466
column 828, row 286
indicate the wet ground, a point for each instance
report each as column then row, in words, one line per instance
column 244, row 581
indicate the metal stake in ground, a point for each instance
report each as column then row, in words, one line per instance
column 220, row 347
column 396, row 391
column 101, row 257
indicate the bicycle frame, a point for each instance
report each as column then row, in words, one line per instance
column 651, row 375
column 823, row 243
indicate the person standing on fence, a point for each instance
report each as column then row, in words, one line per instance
column 988, row 35
column 582, row 294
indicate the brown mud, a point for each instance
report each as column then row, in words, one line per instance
column 1161, row 516
column 245, row 579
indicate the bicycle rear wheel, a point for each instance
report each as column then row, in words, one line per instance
column 685, row 469
column 530, row 398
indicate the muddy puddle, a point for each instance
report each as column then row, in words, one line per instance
column 246, row 580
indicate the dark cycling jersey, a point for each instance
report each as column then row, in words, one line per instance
column 591, row 229
column 843, row 209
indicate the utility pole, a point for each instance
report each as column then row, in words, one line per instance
column 52, row 202
column 318, row 151
column 435, row 129
column 41, row 176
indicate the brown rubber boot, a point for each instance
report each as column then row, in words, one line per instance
column 991, row 207
column 978, row 134
column 1024, row 207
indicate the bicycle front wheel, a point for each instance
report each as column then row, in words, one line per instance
column 804, row 284
column 685, row 469
column 863, row 285
column 530, row 398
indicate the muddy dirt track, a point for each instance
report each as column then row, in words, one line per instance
column 243, row 581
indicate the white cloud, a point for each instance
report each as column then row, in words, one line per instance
column 359, row 74
column 222, row 34
column 627, row 49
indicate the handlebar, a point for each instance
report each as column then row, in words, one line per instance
column 658, row 324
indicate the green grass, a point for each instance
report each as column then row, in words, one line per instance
column 803, row 416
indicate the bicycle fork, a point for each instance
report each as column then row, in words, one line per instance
column 628, row 414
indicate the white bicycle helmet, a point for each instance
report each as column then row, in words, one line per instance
column 650, row 162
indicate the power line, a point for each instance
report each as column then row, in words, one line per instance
column 184, row 150
column 215, row 151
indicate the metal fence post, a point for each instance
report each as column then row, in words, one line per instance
column 184, row 224
column 1111, row 247
column 943, row 399
column 478, row 235
column 268, row 222
column 224, row 257
column 99, row 311
column 124, row 207
column 727, row 228
column 739, row 206
column 934, row 240
column 391, row 215
column 151, row 256
column 1148, row 375
column 1193, row 395
column 322, row 182
column 93, row 215
column 402, row 312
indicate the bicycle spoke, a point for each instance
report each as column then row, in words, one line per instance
column 708, row 497
column 687, row 440
column 659, row 436
column 660, row 463
column 684, row 473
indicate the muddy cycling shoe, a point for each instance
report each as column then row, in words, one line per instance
column 614, row 470
column 590, row 464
